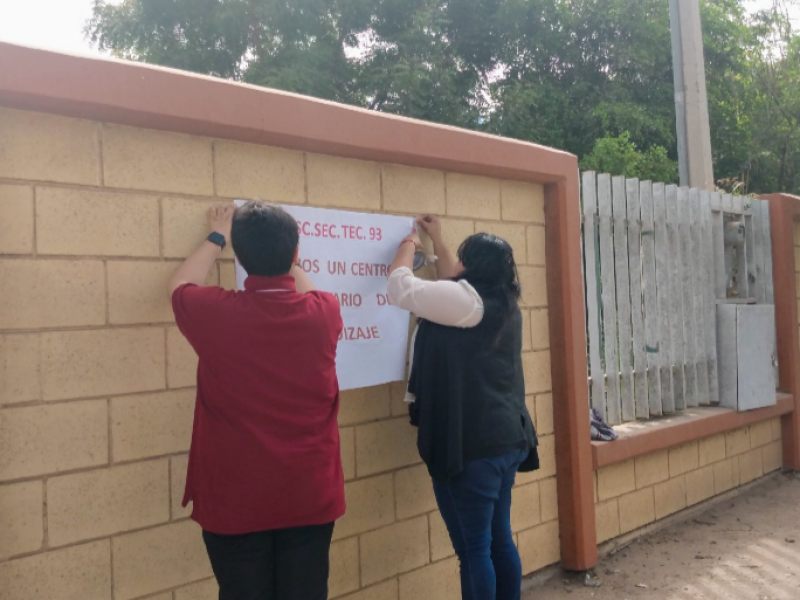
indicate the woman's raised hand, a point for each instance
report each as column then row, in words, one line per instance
column 431, row 225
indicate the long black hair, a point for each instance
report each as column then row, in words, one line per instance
column 490, row 268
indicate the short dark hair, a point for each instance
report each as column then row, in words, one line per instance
column 264, row 238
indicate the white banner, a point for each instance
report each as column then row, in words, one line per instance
column 348, row 254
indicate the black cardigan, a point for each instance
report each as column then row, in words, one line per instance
column 470, row 395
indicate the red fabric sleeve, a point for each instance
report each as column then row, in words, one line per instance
column 194, row 306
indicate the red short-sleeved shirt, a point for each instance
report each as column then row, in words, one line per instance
column 265, row 444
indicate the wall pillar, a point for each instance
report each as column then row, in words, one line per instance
column 784, row 212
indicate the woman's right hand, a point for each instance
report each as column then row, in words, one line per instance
column 431, row 225
column 445, row 263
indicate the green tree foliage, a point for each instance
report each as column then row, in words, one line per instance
column 772, row 161
column 581, row 69
column 620, row 156
column 586, row 76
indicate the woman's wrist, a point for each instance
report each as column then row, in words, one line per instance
column 416, row 246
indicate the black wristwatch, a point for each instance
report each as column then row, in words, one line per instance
column 217, row 238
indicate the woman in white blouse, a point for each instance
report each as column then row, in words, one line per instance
column 466, row 395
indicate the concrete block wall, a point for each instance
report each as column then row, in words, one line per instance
column 641, row 491
column 97, row 384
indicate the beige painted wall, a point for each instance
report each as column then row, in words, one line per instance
column 96, row 383
column 641, row 491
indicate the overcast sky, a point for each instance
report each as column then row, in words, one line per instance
column 58, row 24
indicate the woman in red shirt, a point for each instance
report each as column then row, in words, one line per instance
column 265, row 474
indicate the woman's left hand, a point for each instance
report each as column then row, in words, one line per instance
column 220, row 219
column 404, row 258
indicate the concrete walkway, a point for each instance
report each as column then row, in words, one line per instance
column 743, row 548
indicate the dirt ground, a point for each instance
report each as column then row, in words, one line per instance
column 744, row 548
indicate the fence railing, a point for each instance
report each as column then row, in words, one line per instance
column 655, row 264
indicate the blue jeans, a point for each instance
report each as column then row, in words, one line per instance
column 476, row 507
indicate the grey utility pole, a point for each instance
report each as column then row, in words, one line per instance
column 691, row 98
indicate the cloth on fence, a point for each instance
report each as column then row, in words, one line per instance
column 601, row 430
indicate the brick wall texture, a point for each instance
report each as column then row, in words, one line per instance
column 96, row 382
column 640, row 491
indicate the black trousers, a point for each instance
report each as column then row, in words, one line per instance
column 283, row 564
